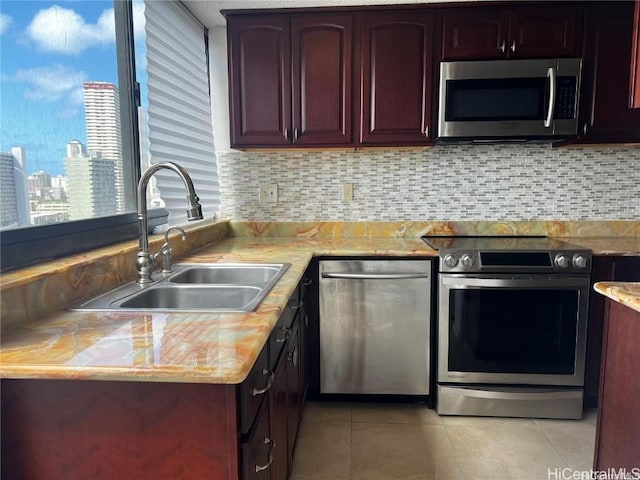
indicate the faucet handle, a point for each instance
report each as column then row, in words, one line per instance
column 166, row 251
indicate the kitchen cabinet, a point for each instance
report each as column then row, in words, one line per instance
column 396, row 62
column 290, row 79
column 604, row 268
column 78, row 429
column 634, row 85
column 605, row 115
column 618, row 423
column 510, row 32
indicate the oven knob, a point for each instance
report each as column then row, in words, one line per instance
column 451, row 260
column 580, row 261
column 467, row 260
column 562, row 261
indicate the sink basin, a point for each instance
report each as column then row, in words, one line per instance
column 236, row 274
column 214, row 288
column 193, row 298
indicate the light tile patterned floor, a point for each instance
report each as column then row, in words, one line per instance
column 350, row 441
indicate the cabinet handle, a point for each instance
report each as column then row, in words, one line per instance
column 295, row 134
column 293, row 356
column 513, row 46
column 297, row 305
column 256, row 391
column 287, row 332
column 286, row 133
column 426, row 131
column 503, row 46
column 584, row 128
column 272, row 449
column 306, row 282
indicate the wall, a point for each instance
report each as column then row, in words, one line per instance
column 453, row 182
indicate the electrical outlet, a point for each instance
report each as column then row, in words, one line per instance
column 268, row 193
column 347, row 192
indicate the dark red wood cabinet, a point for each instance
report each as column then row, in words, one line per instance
column 510, row 32
column 259, row 80
column 605, row 115
column 634, row 84
column 396, row 63
column 290, row 79
column 618, row 423
column 604, row 268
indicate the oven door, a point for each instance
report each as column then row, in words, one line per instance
column 512, row 329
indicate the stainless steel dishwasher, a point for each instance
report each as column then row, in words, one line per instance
column 375, row 326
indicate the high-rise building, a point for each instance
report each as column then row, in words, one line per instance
column 14, row 200
column 102, row 113
column 90, row 181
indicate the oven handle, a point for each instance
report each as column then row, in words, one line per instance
column 519, row 395
column 522, row 282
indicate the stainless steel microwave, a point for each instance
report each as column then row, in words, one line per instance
column 509, row 99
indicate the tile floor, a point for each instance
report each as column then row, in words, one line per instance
column 345, row 441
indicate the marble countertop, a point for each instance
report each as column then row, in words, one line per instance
column 626, row 293
column 179, row 347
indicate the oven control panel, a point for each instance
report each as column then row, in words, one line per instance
column 515, row 261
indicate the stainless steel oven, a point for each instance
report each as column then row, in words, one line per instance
column 512, row 322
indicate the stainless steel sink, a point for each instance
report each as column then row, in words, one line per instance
column 227, row 274
column 194, row 287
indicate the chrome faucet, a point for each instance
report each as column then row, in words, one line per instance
column 145, row 260
column 166, row 251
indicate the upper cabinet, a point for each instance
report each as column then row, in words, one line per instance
column 634, row 90
column 259, row 80
column 605, row 115
column 509, row 32
column 396, row 62
column 290, row 80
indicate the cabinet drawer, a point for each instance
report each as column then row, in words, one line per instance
column 282, row 330
column 253, row 390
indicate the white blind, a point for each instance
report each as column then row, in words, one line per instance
column 179, row 110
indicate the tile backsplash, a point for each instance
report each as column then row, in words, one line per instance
column 448, row 182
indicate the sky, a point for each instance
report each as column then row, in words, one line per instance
column 47, row 50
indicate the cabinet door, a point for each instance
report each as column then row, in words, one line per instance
column 259, row 80
column 634, row 86
column 536, row 32
column 278, row 397
column 321, row 48
column 474, row 33
column 259, row 449
column 294, row 398
column 605, row 113
column 396, row 64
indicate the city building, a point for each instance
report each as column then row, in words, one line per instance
column 14, row 200
column 102, row 113
column 90, row 183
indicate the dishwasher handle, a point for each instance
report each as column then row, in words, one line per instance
column 375, row 276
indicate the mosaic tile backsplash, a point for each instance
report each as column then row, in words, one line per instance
column 453, row 182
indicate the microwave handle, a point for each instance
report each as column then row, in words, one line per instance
column 551, row 74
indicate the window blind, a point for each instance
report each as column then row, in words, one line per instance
column 179, row 107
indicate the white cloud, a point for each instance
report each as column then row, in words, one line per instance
column 61, row 30
column 52, row 83
column 5, row 21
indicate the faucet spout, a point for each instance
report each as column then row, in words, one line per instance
column 144, row 260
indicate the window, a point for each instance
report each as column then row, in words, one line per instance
column 176, row 104
column 70, row 147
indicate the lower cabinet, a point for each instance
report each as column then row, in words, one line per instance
column 604, row 268
column 618, row 424
column 280, row 399
column 79, row 429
